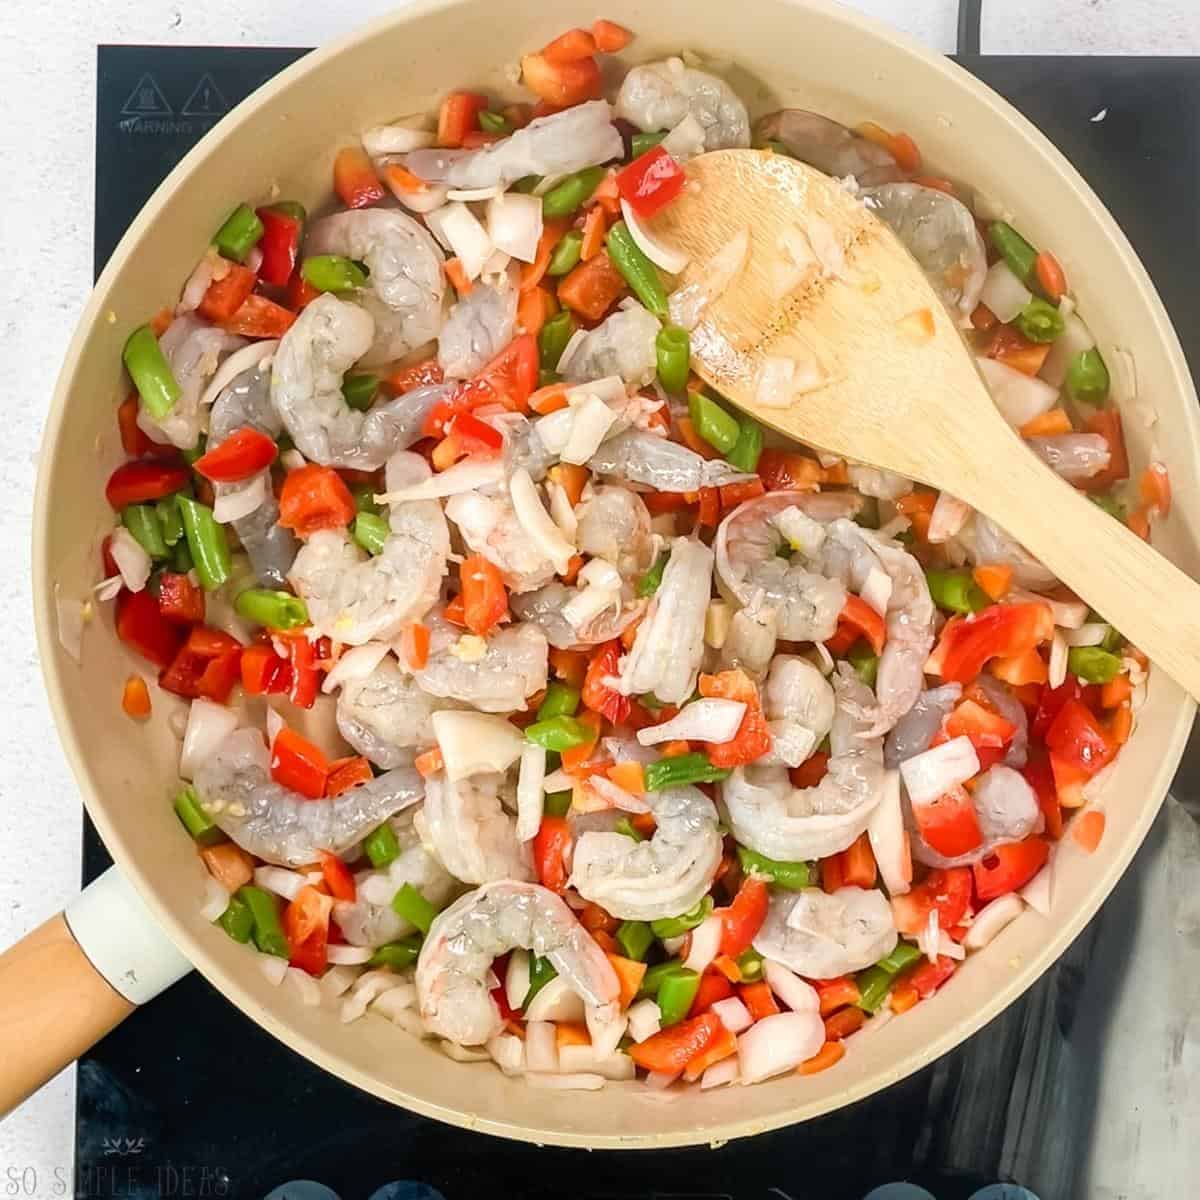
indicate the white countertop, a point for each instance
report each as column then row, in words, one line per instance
column 47, row 64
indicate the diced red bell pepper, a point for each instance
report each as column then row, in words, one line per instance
column 733, row 494
column 138, row 482
column 134, row 440
column 946, row 892
column 551, row 848
column 306, row 926
column 179, row 599
column 1009, row 867
column 713, row 987
column 1000, row 631
column 1107, row 423
column 610, row 37
column 280, row 245
column 742, row 920
column 598, row 695
column 207, row 665
column 987, row 731
column 299, row 765
column 313, row 498
column 422, row 374
column 512, row 374
column 949, row 823
column 458, row 116
column 476, row 436
column 859, row 868
column 788, row 471
column 811, row 771
column 1051, row 703
column 485, row 600
column 671, row 1050
column 338, row 877
column 243, row 453
column 930, row 976
column 259, row 317
column 1040, row 776
column 1078, row 738
column 304, row 676
column 300, row 293
column 753, row 738
column 354, row 178
column 650, row 182
column 562, row 84
column 226, row 295
column 263, row 671
column 859, row 615
column 347, row 773
column 142, row 627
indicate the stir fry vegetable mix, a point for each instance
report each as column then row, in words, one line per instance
column 697, row 753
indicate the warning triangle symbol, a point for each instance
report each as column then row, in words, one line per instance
column 146, row 100
column 206, row 100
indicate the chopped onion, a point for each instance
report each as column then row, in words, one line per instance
column 541, row 1052
column 456, row 227
column 547, row 184
column 536, row 521
column 395, row 139
column 615, row 796
column 574, row 1060
column 474, row 743
column 668, row 258
column 579, row 1082
column 569, row 350
column 733, row 1014
column 889, row 843
column 877, row 590
column 337, row 980
column 717, row 619
column 591, row 419
column 216, row 899
column 463, row 1054
column 197, row 282
column 1067, row 614
column 1018, row 396
column 475, row 195
column 366, row 988
column 231, row 504
column 306, row 985
column 350, row 956
column 798, row 995
column 292, row 460
column 132, row 561
column 1037, row 892
column 1003, row 293
column 659, row 1081
column 273, row 968
column 932, row 773
column 605, row 1031
column 516, row 979
column 530, row 796
column 239, row 361
column 991, row 919
column 423, row 200
column 1057, row 670
column 514, row 223
column 781, row 380
column 720, row 1073
column 1091, row 633
column 686, row 140
column 611, row 388
column 1074, row 339
column 465, row 476
column 556, row 1002
column 645, row 1019
column 558, row 781
column 395, row 1002
column 356, row 663
column 208, row 725
column 275, row 726
column 108, row 589
column 508, row 1053
column 948, row 517
column 279, row 880
column 561, row 511
column 779, row 1043
column 706, row 944
column 707, row 720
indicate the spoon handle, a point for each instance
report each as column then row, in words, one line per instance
column 1133, row 587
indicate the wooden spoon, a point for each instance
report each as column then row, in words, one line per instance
column 901, row 390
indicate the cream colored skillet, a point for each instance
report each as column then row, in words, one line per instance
column 812, row 55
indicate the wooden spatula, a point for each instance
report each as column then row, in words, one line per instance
column 900, row 389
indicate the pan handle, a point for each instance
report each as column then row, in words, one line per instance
column 76, row 977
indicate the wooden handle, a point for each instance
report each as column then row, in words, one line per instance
column 54, row 1005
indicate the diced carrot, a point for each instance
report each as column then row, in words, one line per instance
column 903, row 996
column 346, row 773
column 629, row 775
column 160, row 321
column 570, row 47
column 832, row 873
column 1088, row 828
column 457, row 276
column 228, row 864
column 901, row 147
column 1120, row 725
column 644, row 823
column 1107, row 423
column 550, row 398
column 574, row 566
column 918, row 325
column 571, row 1033
column 402, row 180
column 135, row 698
column 593, row 917
column 562, row 83
column 1047, row 424
column 429, row 763
column 608, row 195
column 534, row 309
column 454, row 612
column 629, row 976
column 694, row 441
column 473, row 139
column 811, row 771
column 983, row 318
column 606, row 942
column 843, row 1023
column 728, row 967
column 572, row 478
column 733, row 494
column 1154, row 487
column 1029, row 667
column 837, row 993
column 675, row 749
column 1011, row 347
column 1050, row 276
column 592, row 287
column 994, row 579
column 258, row 317
column 576, row 756
column 826, row 1057
column 722, row 1046
column 1139, row 522
column 916, row 502
column 569, row 665
column 708, row 514
column 836, row 473
column 414, row 645
column 858, row 863
column 758, row 999
column 594, row 228
column 610, row 37
column 1115, row 692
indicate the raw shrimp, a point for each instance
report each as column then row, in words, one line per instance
column 329, row 336
column 669, row 646
column 823, row 935
column 193, row 351
column 355, row 598
column 622, row 344
column 247, row 402
column 387, row 716
column 987, row 543
column 665, row 466
column 479, row 326
column 829, row 146
column 662, row 877
column 489, row 526
column 369, row 919
column 659, row 95
column 916, row 729
column 406, row 290
column 804, row 603
column 940, row 233
column 1074, row 456
column 469, row 831
column 875, row 481
column 1001, row 698
column 560, row 144
column 544, row 608
column 794, row 824
column 614, row 524
column 464, row 940
column 799, row 705
column 523, row 446
column 851, row 554
column 236, row 791
column 495, row 674
column 750, row 641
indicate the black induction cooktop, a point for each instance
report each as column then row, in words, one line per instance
column 189, row 1098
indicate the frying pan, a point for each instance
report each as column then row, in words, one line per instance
column 140, row 926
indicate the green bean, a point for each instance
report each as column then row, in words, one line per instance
column 541, row 971
column 641, row 142
column 635, row 938
column 712, row 422
column 274, row 609
column 557, row 804
column 672, row 349
column 956, row 591
column 1113, row 640
column 1110, row 504
column 1087, row 377
column 750, row 963
column 237, row 920
column 791, row 876
column 1040, row 321
column 651, row 581
column 675, row 996
column 553, row 338
column 195, row 819
column 494, row 122
column 865, row 661
column 206, row 542
column 672, row 927
column 654, row 976
column 333, row 273
column 240, row 233
column 359, row 390
column 560, row 700
column 381, row 846
column 170, row 524
column 413, row 907
column 397, row 955
column 370, row 532
column 526, row 184
column 181, row 557
column 268, row 932
column 748, row 447
column 1014, row 249
column 559, row 733
column 625, row 826
column 1093, row 664
column 142, row 521
column 682, row 770
column 566, row 254
column 150, row 372
column 638, row 271
column 364, row 499
column 563, row 199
